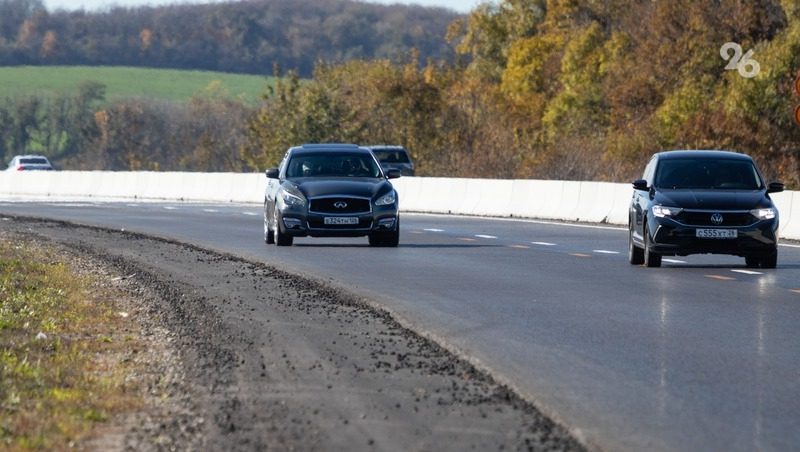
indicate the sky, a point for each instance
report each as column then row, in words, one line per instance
column 461, row 6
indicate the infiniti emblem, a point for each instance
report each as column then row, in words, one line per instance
column 717, row 218
column 340, row 204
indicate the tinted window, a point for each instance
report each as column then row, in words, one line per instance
column 33, row 161
column 694, row 173
column 333, row 165
column 392, row 156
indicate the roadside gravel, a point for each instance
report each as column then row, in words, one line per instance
column 247, row 357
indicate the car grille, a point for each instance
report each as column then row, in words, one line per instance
column 342, row 205
column 319, row 223
column 703, row 218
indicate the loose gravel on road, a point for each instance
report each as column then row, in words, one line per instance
column 258, row 359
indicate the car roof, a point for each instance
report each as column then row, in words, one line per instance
column 386, row 147
column 316, row 148
column 30, row 156
column 702, row 153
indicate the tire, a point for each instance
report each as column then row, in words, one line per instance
column 389, row 239
column 651, row 259
column 635, row 254
column 281, row 239
column 770, row 260
column 269, row 236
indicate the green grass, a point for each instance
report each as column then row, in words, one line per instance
column 56, row 387
column 125, row 82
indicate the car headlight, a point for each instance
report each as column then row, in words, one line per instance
column 664, row 211
column 387, row 200
column 764, row 214
column 292, row 200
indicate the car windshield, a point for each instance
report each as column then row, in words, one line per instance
column 392, row 156
column 693, row 173
column 333, row 165
column 33, row 161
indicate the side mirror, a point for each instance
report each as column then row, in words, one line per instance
column 775, row 187
column 393, row 174
column 640, row 184
column 272, row 173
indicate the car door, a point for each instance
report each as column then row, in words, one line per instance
column 640, row 202
column 273, row 187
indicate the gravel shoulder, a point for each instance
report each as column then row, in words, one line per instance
column 243, row 356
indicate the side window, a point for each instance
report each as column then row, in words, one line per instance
column 282, row 166
column 649, row 171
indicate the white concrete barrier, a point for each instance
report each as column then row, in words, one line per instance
column 596, row 202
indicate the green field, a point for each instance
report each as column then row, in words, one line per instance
column 125, row 82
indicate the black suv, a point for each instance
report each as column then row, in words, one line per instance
column 331, row 190
column 695, row 202
column 393, row 157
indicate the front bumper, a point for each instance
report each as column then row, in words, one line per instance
column 670, row 238
column 302, row 224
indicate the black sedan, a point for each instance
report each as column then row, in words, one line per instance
column 331, row 190
column 703, row 202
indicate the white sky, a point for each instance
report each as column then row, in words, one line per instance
column 461, row 6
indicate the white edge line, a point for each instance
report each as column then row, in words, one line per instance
column 520, row 220
column 747, row 272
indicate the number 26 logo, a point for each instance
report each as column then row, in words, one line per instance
column 745, row 64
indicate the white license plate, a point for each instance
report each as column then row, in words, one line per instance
column 341, row 220
column 717, row 233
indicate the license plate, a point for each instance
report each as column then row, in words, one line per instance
column 717, row 233
column 341, row 220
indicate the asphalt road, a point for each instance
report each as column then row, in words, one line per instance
column 701, row 354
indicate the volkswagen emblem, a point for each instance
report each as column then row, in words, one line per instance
column 717, row 219
column 340, row 204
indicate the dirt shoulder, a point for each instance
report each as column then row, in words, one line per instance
column 247, row 357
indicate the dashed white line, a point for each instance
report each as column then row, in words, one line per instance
column 544, row 243
column 747, row 272
column 482, row 236
column 433, row 230
column 252, row 214
column 605, row 252
column 210, row 210
column 170, row 208
column 674, row 261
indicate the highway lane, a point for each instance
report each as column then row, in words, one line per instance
column 701, row 354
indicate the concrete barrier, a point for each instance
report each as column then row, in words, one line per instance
column 596, row 202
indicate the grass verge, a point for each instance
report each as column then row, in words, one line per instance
column 126, row 82
column 62, row 348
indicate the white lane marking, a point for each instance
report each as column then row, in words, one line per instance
column 605, row 252
column 788, row 246
column 674, row 261
column 252, row 214
column 520, row 220
column 482, row 236
column 170, row 208
column 747, row 272
column 210, row 210
column 433, row 230
column 544, row 243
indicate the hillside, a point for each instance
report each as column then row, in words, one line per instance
column 251, row 36
column 127, row 82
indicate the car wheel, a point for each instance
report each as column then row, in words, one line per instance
column 651, row 259
column 387, row 239
column 635, row 254
column 281, row 239
column 269, row 236
column 770, row 260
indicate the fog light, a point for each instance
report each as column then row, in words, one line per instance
column 292, row 223
column 386, row 223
